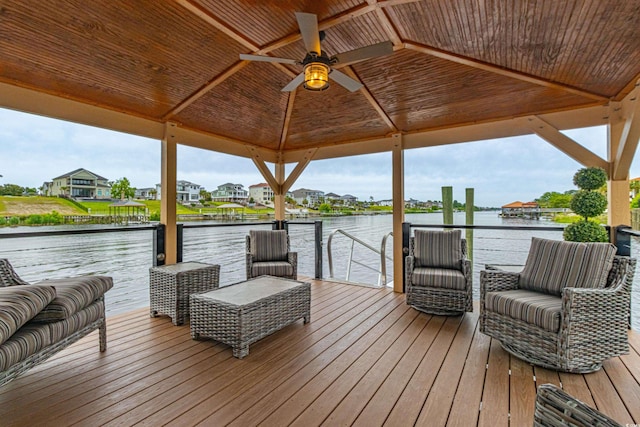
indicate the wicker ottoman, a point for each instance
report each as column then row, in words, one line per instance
column 171, row 285
column 243, row 313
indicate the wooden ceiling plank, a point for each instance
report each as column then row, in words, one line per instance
column 215, row 22
column 629, row 138
column 502, row 71
column 386, row 23
column 565, row 144
column 297, row 171
column 389, row 3
column 264, row 170
column 206, row 88
column 376, row 106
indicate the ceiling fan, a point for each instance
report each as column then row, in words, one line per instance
column 317, row 64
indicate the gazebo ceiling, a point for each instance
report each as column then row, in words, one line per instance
column 455, row 63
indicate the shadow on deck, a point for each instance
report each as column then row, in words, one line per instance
column 365, row 359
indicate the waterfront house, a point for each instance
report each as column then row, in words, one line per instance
column 521, row 209
column 348, row 199
column 186, row 192
column 148, row 193
column 171, row 71
column 307, row 197
column 261, row 193
column 234, row 193
column 81, row 183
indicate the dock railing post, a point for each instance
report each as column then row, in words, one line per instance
column 180, row 240
column 158, row 245
column 406, row 233
column 318, row 247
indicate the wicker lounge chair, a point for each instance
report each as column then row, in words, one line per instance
column 268, row 254
column 438, row 273
column 567, row 310
column 554, row 408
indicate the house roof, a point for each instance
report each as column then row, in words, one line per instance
column 263, row 184
column 513, row 205
column 461, row 70
column 75, row 172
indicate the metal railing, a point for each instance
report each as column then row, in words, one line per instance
column 381, row 270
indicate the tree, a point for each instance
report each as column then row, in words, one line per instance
column 11, row 190
column 205, row 195
column 122, row 188
column 553, row 199
column 588, row 202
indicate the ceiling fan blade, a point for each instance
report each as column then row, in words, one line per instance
column 293, row 84
column 344, row 80
column 367, row 52
column 267, row 59
column 308, row 23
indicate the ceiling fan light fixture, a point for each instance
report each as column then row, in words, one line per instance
column 316, row 76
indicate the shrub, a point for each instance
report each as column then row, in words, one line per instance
column 155, row 216
column 3, row 221
column 588, row 204
column 14, row 220
column 34, row 220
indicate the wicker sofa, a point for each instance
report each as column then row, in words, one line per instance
column 556, row 408
column 438, row 273
column 38, row 320
column 567, row 310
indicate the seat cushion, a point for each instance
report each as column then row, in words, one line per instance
column 438, row 278
column 553, row 265
column 72, row 295
column 21, row 303
column 62, row 329
column 540, row 309
column 29, row 340
column 438, row 249
column 268, row 245
column 273, row 268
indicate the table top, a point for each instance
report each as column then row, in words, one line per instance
column 512, row 268
column 252, row 290
column 181, row 267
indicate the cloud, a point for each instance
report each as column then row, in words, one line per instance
column 36, row 149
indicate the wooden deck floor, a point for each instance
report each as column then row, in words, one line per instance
column 365, row 359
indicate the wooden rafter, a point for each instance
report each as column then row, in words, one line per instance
column 630, row 135
column 287, row 120
column 367, row 94
column 297, row 171
column 389, row 28
column 565, row 144
column 501, row 71
column 264, row 170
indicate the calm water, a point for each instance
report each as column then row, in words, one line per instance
column 127, row 256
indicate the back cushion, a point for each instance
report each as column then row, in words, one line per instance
column 268, row 245
column 553, row 265
column 19, row 304
column 438, row 249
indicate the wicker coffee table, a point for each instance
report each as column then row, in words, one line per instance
column 171, row 285
column 243, row 313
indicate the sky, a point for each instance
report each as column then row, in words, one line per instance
column 35, row 149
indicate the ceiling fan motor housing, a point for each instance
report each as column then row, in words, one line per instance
column 316, row 71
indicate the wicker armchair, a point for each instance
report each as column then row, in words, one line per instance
column 567, row 310
column 268, row 253
column 438, row 273
column 555, row 408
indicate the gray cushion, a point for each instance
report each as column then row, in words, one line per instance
column 272, row 268
column 30, row 339
column 553, row 265
column 535, row 308
column 19, row 304
column 72, row 295
column 268, row 245
column 438, row 249
column 443, row 278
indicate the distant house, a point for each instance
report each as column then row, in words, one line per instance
column 348, row 199
column 230, row 193
column 80, row 183
column 146, row 193
column 186, row 192
column 331, row 196
column 261, row 193
column 520, row 209
column 311, row 196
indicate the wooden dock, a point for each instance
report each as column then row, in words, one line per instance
column 365, row 359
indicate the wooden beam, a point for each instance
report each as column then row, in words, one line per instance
column 168, row 164
column 397, row 158
column 206, row 88
column 200, row 12
column 264, row 170
column 502, row 71
column 565, row 144
column 287, row 120
column 367, row 94
column 297, row 171
column 630, row 135
column 386, row 23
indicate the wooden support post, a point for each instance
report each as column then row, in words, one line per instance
column 469, row 220
column 447, row 205
column 398, row 211
column 168, row 193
